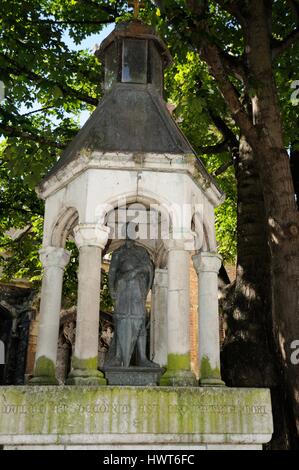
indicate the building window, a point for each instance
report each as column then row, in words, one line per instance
column 134, row 69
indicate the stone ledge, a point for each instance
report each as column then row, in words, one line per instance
column 107, row 415
column 114, row 447
column 107, row 440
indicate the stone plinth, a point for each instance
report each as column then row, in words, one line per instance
column 132, row 375
column 134, row 416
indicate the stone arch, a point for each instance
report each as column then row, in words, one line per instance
column 129, row 198
column 63, row 226
column 158, row 253
column 204, row 236
column 161, row 257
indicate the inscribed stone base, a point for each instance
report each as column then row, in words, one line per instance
column 132, row 375
column 113, row 417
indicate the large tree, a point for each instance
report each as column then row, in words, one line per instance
column 245, row 75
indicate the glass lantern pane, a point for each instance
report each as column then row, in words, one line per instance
column 111, row 65
column 134, row 69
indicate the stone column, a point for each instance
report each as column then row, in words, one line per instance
column 159, row 318
column 178, row 371
column 207, row 266
column 54, row 261
column 90, row 239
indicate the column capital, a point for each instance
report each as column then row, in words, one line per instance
column 207, row 262
column 54, row 256
column 91, row 235
column 181, row 240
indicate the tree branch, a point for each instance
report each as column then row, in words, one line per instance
column 281, row 46
column 213, row 149
column 37, row 111
column 16, row 69
column 223, row 168
column 232, row 143
column 233, row 64
column 18, row 132
column 233, row 8
column 221, row 125
column 210, row 54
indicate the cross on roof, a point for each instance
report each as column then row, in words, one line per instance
column 136, row 4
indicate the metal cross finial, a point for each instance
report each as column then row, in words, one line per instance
column 136, row 4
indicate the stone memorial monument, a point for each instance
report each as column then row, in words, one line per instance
column 131, row 151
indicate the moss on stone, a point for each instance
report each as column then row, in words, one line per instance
column 44, row 367
column 90, row 363
column 175, row 378
column 178, row 371
column 85, row 372
column 207, row 371
column 87, row 380
column 43, row 380
column 178, row 361
column 59, row 411
column 44, row 372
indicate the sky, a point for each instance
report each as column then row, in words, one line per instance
column 89, row 42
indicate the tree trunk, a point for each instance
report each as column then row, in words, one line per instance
column 294, row 161
column 263, row 131
column 248, row 355
column 282, row 216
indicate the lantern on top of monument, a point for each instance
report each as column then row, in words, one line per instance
column 133, row 53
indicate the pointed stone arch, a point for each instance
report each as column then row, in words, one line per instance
column 64, row 225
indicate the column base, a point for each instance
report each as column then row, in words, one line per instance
column 43, row 380
column 178, row 378
column 211, row 382
column 86, row 377
column 44, row 372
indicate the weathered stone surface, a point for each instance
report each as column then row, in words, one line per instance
column 158, row 336
column 114, row 447
column 132, row 375
column 107, row 415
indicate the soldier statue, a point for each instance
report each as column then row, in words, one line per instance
column 130, row 279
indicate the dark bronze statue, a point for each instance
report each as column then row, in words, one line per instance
column 130, row 279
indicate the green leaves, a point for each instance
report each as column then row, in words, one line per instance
column 196, row 97
column 48, row 85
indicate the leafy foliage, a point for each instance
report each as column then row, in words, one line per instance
column 48, row 85
column 192, row 90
